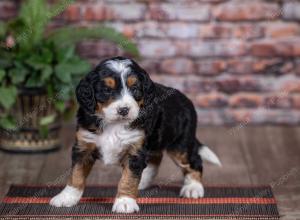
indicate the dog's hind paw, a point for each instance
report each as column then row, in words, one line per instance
column 193, row 190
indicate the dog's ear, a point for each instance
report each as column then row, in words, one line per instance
column 148, row 89
column 85, row 96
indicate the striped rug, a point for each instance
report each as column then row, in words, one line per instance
column 31, row 202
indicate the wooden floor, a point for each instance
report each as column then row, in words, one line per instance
column 250, row 155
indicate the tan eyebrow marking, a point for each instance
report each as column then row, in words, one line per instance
column 131, row 80
column 110, row 82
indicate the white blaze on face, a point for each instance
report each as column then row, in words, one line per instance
column 126, row 99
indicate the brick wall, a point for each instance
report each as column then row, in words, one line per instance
column 238, row 60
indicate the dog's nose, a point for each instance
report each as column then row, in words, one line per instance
column 123, row 111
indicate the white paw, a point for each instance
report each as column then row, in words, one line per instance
column 70, row 196
column 148, row 175
column 193, row 189
column 125, row 205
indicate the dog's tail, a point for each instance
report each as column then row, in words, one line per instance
column 208, row 155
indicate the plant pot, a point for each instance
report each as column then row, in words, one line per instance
column 31, row 106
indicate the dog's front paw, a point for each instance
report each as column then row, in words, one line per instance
column 70, row 196
column 193, row 189
column 125, row 204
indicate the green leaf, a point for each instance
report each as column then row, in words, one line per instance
column 2, row 74
column 46, row 73
column 8, row 96
column 47, row 120
column 60, row 105
column 43, row 131
column 63, row 91
column 36, row 62
column 8, row 123
column 64, row 54
column 33, row 81
column 63, row 72
column 17, row 75
column 35, row 16
column 71, row 35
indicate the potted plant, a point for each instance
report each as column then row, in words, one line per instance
column 38, row 71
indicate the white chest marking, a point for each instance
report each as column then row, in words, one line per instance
column 115, row 140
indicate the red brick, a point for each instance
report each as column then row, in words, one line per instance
column 210, row 116
column 264, row 66
column 211, row 100
column 72, row 13
column 296, row 101
column 252, row 10
column 157, row 48
column 151, row 65
column 126, row 12
column 129, row 11
column 288, row 84
column 281, row 30
column 178, row 66
column 98, row 12
column 249, row 100
column 297, row 66
column 230, row 84
column 179, row 11
column 279, row 100
column 212, row 31
column 211, row 67
column 149, row 29
column 241, row 117
column 176, row 30
column 215, row 49
column 240, row 66
column 273, row 48
column 248, row 31
column 197, row 85
column 181, row 30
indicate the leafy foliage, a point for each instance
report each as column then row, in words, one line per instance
column 30, row 58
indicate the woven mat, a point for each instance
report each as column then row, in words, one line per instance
column 156, row 203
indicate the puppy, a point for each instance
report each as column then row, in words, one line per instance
column 125, row 118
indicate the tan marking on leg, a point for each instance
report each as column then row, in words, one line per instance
column 182, row 161
column 80, row 172
column 128, row 185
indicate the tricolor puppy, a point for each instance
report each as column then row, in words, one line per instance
column 125, row 118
